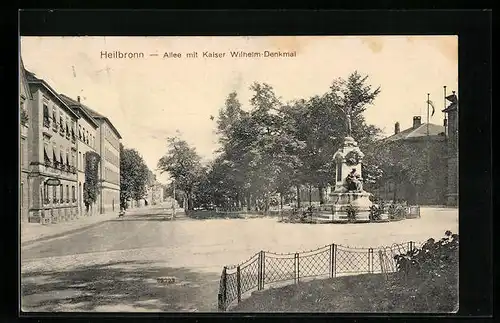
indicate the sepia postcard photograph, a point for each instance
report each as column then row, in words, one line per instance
column 239, row 174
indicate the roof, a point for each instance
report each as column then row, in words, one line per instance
column 22, row 75
column 93, row 114
column 80, row 107
column 32, row 79
column 419, row 132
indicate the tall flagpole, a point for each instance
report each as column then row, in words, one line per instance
column 446, row 121
column 428, row 102
column 427, row 137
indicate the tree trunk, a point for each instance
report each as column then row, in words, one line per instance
column 249, row 207
column 298, row 196
column 310, row 195
column 281, row 202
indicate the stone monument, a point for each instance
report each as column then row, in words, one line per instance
column 348, row 183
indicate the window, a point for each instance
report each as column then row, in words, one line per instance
column 67, row 193
column 54, row 119
column 45, row 191
column 61, row 193
column 80, row 160
column 73, row 194
column 54, row 155
column 54, row 194
column 80, row 132
column 46, row 118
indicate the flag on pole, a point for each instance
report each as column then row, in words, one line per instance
column 432, row 106
column 452, row 98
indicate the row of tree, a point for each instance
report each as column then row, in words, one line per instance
column 135, row 176
column 276, row 149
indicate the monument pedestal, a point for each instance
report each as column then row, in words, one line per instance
column 348, row 160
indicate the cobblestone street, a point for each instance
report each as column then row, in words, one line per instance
column 114, row 266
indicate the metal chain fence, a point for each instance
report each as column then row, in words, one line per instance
column 266, row 268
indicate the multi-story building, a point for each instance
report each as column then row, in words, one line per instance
column 24, row 140
column 88, row 141
column 427, row 141
column 52, row 154
column 109, row 149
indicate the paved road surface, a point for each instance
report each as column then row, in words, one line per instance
column 114, row 266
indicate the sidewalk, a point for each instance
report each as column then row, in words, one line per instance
column 33, row 232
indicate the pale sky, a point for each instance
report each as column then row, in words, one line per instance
column 149, row 99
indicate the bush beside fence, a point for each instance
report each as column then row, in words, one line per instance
column 266, row 268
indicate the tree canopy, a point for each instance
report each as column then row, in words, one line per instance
column 272, row 147
column 134, row 175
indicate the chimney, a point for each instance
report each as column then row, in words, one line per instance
column 78, row 98
column 396, row 128
column 417, row 122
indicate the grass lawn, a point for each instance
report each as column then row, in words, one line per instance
column 360, row 293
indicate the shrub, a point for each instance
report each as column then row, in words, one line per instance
column 352, row 212
column 397, row 211
column 376, row 211
column 431, row 272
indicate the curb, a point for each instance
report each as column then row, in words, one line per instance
column 58, row 235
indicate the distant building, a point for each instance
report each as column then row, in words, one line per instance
column 155, row 193
column 425, row 137
column 88, row 140
column 25, row 140
column 52, row 154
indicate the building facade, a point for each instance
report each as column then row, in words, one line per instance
column 110, row 170
column 428, row 144
column 24, row 141
column 100, row 135
column 88, row 141
column 452, row 150
column 109, row 149
column 52, row 155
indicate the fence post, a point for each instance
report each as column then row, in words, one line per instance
column 381, row 260
column 295, row 268
column 331, row 260
column 263, row 275
column 412, row 245
column 224, row 283
column 259, row 271
column 298, row 267
column 334, row 260
column 238, row 283
column 370, row 260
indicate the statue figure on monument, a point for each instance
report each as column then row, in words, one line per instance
column 348, row 116
column 354, row 182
